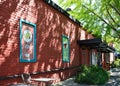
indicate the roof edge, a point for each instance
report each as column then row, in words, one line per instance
column 96, row 43
column 55, row 6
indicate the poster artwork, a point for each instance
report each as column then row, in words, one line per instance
column 27, row 41
column 65, row 49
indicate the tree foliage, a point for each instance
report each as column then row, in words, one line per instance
column 100, row 17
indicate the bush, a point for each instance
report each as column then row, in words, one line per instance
column 116, row 64
column 92, row 75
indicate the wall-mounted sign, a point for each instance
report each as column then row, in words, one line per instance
column 65, row 49
column 27, row 41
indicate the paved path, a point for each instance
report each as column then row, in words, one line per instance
column 113, row 81
column 114, row 77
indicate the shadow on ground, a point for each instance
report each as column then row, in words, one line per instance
column 114, row 77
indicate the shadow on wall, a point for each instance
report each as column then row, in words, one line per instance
column 8, row 37
column 50, row 27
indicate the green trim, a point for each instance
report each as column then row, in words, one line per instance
column 34, row 40
column 65, row 48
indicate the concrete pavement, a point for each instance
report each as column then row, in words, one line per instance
column 114, row 77
column 113, row 81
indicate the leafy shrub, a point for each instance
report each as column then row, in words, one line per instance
column 92, row 75
column 116, row 64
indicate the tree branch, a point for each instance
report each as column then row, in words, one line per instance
column 111, row 16
column 118, row 12
column 101, row 18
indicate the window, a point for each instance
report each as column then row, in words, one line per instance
column 65, row 49
column 27, row 41
column 93, row 57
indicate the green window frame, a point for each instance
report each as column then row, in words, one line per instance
column 27, row 39
column 65, row 49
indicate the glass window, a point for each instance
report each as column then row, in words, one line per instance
column 65, row 49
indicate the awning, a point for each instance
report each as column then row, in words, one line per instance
column 96, row 43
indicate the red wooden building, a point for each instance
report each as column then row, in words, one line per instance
column 40, row 38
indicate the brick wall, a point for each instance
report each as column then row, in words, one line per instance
column 51, row 24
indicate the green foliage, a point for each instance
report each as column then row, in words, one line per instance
column 117, row 44
column 92, row 75
column 116, row 64
column 99, row 17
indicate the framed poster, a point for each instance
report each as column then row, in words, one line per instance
column 27, row 41
column 65, row 49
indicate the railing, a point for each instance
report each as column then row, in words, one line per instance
column 41, row 72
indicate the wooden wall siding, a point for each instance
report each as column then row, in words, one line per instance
column 51, row 24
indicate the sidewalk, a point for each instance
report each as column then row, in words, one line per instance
column 114, row 77
column 113, row 81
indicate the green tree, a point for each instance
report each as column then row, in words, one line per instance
column 99, row 17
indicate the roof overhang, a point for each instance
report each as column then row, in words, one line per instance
column 96, row 43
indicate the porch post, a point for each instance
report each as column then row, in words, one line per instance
column 99, row 57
